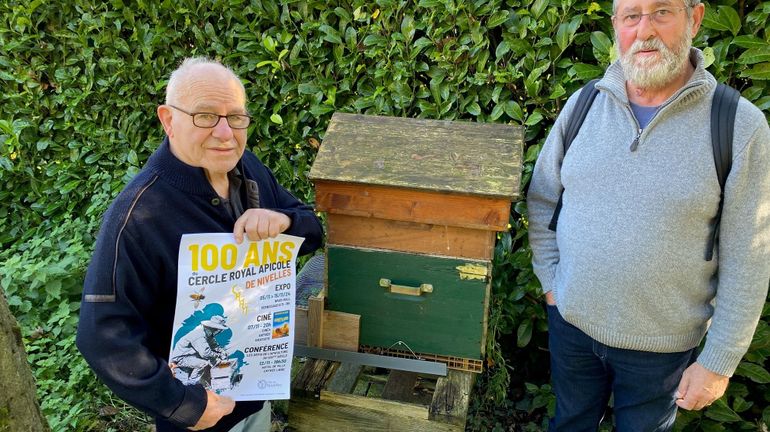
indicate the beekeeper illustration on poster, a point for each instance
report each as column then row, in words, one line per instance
column 234, row 318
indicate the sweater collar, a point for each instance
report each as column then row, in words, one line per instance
column 700, row 83
column 186, row 178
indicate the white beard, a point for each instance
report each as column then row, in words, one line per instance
column 657, row 71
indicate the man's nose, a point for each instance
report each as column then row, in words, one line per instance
column 646, row 28
column 222, row 130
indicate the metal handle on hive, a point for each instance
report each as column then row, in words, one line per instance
column 403, row 289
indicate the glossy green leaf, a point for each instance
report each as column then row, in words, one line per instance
column 719, row 411
column 524, row 334
column 754, row 372
column 749, row 41
column 755, row 55
column 601, row 42
column 538, row 7
column 497, row 18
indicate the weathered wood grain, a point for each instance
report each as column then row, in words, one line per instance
column 410, row 236
column 467, row 211
column 344, row 380
column 451, row 398
column 389, row 407
column 315, row 320
column 308, row 415
column 452, row 156
column 400, row 386
column 340, row 329
column 312, row 377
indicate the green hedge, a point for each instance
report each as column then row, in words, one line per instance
column 81, row 80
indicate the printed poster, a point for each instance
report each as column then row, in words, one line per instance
column 234, row 320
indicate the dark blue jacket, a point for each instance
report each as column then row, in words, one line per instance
column 129, row 296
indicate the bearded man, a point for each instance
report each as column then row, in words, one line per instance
column 630, row 296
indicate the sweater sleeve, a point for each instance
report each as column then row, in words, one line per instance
column 542, row 196
column 744, row 247
column 113, row 331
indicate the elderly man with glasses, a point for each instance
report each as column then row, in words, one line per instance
column 630, row 295
column 200, row 179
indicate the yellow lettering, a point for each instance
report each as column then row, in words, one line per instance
column 209, row 257
column 287, row 250
column 252, row 256
column 269, row 252
column 229, row 256
column 194, row 251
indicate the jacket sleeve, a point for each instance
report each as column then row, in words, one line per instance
column 744, row 246
column 542, row 196
column 113, row 333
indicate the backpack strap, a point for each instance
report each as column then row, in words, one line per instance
column 723, row 108
column 583, row 105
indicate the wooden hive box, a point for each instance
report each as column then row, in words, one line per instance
column 413, row 207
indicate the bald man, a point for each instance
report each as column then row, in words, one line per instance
column 200, row 179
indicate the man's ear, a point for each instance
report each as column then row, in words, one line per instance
column 698, row 11
column 165, row 115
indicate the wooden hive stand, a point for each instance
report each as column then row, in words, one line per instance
column 333, row 396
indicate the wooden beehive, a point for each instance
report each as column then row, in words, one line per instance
column 413, row 207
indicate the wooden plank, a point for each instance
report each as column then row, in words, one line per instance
column 340, row 329
column 410, row 236
column 467, row 211
column 454, row 156
column 315, row 322
column 451, row 398
column 344, row 380
column 308, row 415
column 394, row 408
column 300, row 325
column 400, row 386
column 313, row 376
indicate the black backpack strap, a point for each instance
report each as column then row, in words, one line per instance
column 723, row 108
column 583, row 105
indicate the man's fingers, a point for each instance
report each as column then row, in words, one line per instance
column 262, row 228
column 238, row 229
column 216, row 408
column 260, row 224
column 695, row 400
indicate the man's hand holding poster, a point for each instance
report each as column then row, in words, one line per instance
column 234, row 320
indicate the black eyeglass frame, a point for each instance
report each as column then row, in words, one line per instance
column 219, row 118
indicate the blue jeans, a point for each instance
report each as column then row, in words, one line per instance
column 585, row 373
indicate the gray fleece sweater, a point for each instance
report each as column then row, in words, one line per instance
column 626, row 264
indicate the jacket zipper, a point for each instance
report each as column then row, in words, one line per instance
column 635, row 142
column 639, row 130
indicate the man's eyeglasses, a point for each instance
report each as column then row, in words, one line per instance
column 660, row 16
column 210, row 120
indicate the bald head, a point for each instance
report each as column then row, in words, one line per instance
column 180, row 83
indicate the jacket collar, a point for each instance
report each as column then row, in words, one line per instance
column 186, row 178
